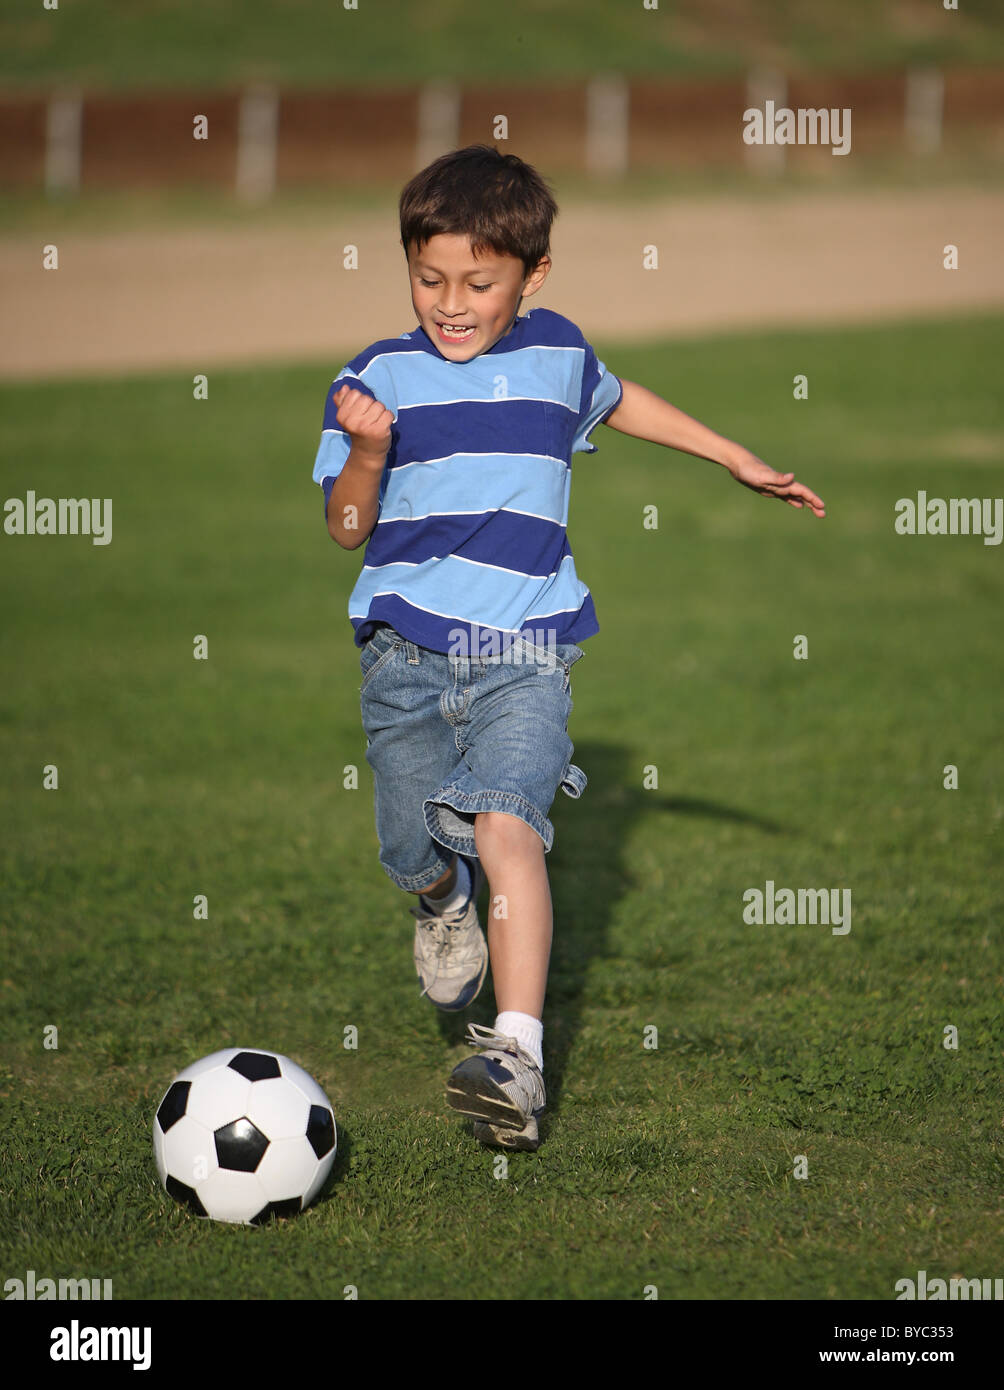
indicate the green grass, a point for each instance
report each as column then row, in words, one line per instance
column 117, row 44
column 670, row 1166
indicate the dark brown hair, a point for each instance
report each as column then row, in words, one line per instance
column 498, row 201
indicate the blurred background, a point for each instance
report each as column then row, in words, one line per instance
column 211, row 161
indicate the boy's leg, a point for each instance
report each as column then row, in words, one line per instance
column 516, row 754
column 411, row 748
column 520, row 917
column 502, row 1088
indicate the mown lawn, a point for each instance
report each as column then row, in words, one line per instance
column 672, row 1165
column 117, row 44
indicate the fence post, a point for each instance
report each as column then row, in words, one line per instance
column 63, row 132
column 925, row 100
column 257, row 139
column 765, row 85
column 607, row 125
column 438, row 121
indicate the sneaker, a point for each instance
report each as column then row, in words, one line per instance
column 451, row 953
column 501, row 1089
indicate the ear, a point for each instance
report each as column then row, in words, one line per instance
column 537, row 276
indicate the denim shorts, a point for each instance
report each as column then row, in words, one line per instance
column 450, row 736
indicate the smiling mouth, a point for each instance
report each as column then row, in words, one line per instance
column 455, row 334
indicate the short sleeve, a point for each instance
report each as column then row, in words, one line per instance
column 601, row 394
column 335, row 443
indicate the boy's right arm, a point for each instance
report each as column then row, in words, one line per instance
column 354, row 503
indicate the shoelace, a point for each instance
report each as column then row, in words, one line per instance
column 480, row 1036
column 439, row 928
column 440, row 932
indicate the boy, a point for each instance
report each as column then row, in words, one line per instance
column 450, row 448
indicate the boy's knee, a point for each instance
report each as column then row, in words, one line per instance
column 498, row 829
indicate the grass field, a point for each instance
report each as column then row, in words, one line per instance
column 223, row 777
column 116, row 44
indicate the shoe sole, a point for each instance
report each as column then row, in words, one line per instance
column 526, row 1140
column 472, row 1092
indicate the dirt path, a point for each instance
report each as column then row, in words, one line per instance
column 194, row 298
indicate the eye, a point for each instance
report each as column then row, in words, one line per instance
column 431, row 284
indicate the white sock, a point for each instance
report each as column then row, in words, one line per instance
column 527, row 1030
column 455, row 900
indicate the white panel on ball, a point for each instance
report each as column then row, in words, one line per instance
column 189, row 1151
column 218, row 1096
column 305, row 1081
column 287, row 1170
column 278, row 1109
column 230, row 1196
column 204, row 1064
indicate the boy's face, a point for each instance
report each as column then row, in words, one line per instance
column 450, row 286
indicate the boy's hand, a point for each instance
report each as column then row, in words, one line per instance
column 365, row 420
column 753, row 473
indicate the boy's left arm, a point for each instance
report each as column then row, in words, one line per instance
column 647, row 416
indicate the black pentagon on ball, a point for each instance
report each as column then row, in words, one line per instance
column 173, row 1106
column 240, row 1146
column 185, row 1195
column 255, row 1066
column 292, row 1206
column 321, row 1130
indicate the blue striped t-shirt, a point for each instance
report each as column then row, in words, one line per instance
column 470, row 544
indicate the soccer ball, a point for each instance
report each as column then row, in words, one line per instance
column 244, row 1136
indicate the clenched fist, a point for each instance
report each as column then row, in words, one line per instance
column 365, row 420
